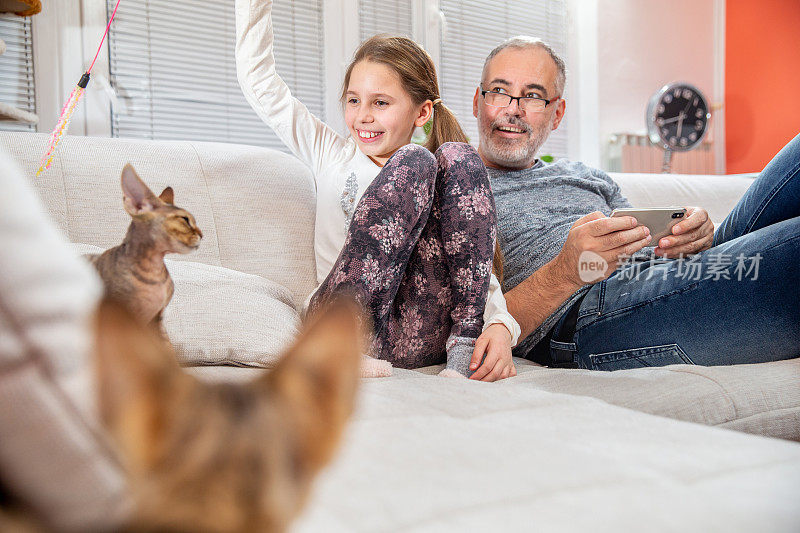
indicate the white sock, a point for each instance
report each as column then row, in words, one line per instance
column 375, row 368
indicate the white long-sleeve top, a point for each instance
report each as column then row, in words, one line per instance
column 341, row 171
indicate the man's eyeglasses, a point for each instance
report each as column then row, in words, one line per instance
column 533, row 104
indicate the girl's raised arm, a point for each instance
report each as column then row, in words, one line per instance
column 310, row 139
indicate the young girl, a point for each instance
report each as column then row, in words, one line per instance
column 409, row 233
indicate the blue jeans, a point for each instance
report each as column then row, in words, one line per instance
column 688, row 311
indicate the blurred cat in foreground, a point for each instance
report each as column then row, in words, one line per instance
column 218, row 457
column 224, row 457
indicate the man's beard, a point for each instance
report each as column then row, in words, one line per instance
column 513, row 153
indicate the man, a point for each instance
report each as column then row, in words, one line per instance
column 553, row 219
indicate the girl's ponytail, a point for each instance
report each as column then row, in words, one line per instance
column 497, row 263
column 444, row 127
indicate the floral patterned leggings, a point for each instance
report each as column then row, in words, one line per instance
column 418, row 253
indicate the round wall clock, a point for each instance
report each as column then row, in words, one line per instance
column 677, row 118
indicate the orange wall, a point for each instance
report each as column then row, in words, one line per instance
column 762, row 80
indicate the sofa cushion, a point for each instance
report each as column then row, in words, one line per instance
column 761, row 398
column 427, row 454
column 219, row 316
column 53, row 455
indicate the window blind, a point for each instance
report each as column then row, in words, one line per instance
column 16, row 69
column 384, row 16
column 474, row 28
column 172, row 63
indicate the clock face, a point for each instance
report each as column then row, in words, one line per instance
column 678, row 117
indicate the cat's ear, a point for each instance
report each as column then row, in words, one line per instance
column 137, row 197
column 314, row 385
column 167, row 196
column 138, row 382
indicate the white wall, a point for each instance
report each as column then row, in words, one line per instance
column 641, row 46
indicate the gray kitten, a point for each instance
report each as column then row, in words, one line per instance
column 134, row 272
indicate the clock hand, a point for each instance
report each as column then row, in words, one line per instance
column 688, row 105
column 680, row 123
column 674, row 119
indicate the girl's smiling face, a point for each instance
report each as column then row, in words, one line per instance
column 379, row 112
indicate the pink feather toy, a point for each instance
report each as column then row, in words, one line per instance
column 69, row 108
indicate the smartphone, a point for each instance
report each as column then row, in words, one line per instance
column 658, row 219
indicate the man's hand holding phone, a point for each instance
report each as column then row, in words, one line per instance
column 691, row 235
column 596, row 244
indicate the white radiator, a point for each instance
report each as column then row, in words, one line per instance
column 628, row 152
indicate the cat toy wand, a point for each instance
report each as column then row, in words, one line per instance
column 69, row 108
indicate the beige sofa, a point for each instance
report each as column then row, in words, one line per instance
column 550, row 449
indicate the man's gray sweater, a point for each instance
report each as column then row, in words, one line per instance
column 535, row 210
